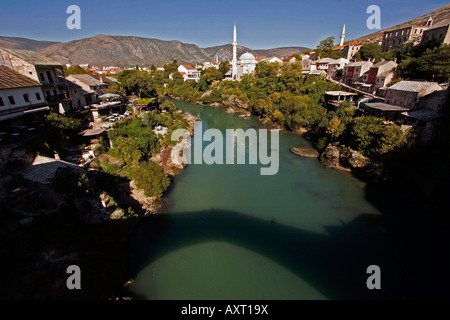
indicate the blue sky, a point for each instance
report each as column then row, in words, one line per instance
column 261, row 24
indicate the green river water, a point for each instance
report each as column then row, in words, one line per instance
column 307, row 232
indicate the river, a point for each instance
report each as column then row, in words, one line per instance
column 307, row 232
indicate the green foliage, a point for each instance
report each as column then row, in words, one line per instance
column 134, row 139
column 224, row 67
column 171, row 67
column 150, row 177
column 370, row 51
column 432, row 65
column 115, row 88
column 76, row 69
column 141, row 83
column 325, row 47
column 68, row 124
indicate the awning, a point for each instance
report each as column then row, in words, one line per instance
column 37, row 110
column 109, row 95
column 11, row 116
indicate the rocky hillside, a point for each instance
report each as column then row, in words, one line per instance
column 103, row 50
column 438, row 15
column 24, row 43
column 124, row 51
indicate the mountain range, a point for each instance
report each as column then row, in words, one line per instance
column 103, row 50
column 123, row 51
column 24, row 43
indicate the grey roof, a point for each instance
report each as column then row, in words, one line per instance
column 424, row 114
column 382, row 63
column 43, row 169
column 414, row 86
column 33, row 57
column 384, row 106
column 325, row 60
column 86, row 79
column 357, row 64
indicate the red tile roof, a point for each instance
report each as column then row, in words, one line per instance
column 12, row 79
column 188, row 67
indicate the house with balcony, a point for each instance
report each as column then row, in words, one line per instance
column 41, row 69
column 189, row 73
column 21, row 99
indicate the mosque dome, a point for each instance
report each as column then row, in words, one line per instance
column 247, row 56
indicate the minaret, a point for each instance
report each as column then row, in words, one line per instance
column 234, row 62
column 341, row 43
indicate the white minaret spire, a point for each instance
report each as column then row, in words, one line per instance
column 234, row 62
column 341, row 43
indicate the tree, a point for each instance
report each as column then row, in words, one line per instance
column 115, row 88
column 171, row 67
column 325, row 46
column 370, row 51
column 76, row 69
column 433, row 65
column 224, row 67
column 150, row 177
column 153, row 68
column 142, row 83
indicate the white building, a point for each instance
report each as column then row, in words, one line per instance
column 20, row 97
column 336, row 65
column 189, row 73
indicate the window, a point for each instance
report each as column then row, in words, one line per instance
column 25, row 97
column 48, row 93
column 30, row 72
column 441, row 35
column 49, row 76
column 41, row 76
column 1, row 102
column 11, row 100
column 75, row 90
column 38, row 96
column 54, row 93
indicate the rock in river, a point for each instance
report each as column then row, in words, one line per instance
column 305, row 152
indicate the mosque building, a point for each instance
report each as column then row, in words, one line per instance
column 246, row 63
